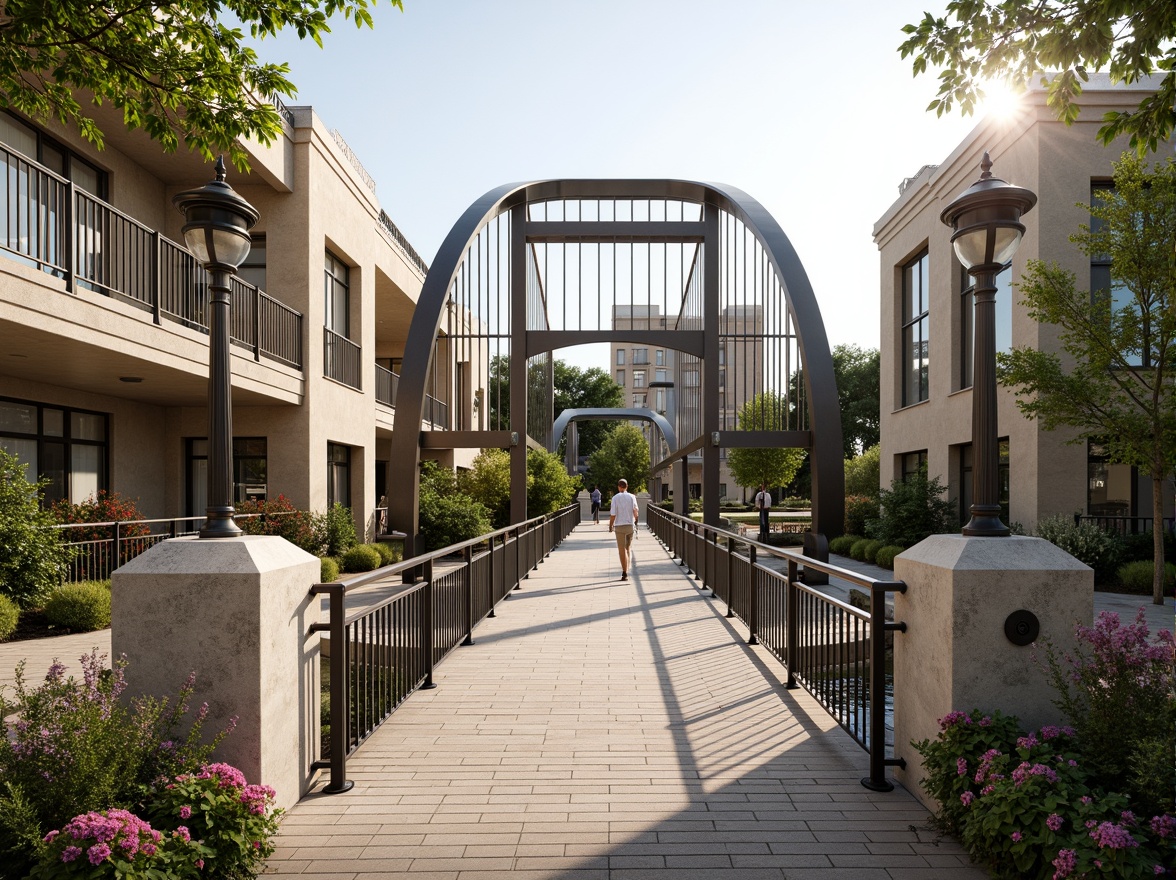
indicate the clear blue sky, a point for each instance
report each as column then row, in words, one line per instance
column 805, row 106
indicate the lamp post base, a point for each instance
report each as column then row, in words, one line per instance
column 219, row 523
column 986, row 523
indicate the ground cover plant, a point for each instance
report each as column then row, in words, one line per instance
column 1091, row 799
column 100, row 786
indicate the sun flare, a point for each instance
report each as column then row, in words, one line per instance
column 1001, row 100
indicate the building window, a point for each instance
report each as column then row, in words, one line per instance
column 912, row 463
column 1102, row 283
column 250, row 471
column 336, row 296
column 660, row 397
column 915, row 327
column 620, row 357
column 660, row 357
column 1004, row 319
column 338, row 475
column 661, row 375
column 641, row 355
column 1002, row 480
column 252, row 271
column 621, row 378
column 1109, row 486
column 639, row 378
column 34, row 144
column 68, row 447
column 640, row 400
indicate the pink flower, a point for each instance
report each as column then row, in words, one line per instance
column 1163, row 826
column 1065, row 863
column 1016, row 836
column 1054, row 822
column 951, row 719
column 183, row 834
column 1113, row 836
column 98, row 853
column 961, row 767
column 70, row 853
column 185, row 812
column 966, row 798
column 200, row 863
column 49, row 837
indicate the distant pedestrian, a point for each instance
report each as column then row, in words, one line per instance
column 596, row 499
column 623, row 521
column 763, row 503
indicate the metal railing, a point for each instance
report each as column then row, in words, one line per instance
column 379, row 654
column 97, row 549
column 436, row 412
column 50, row 224
column 341, row 359
column 1126, row 525
column 399, row 239
column 387, row 384
column 833, row 650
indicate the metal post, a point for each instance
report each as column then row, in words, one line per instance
column 467, row 556
column 340, row 687
column 427, row 627
column 877, row 780
column 219, row 513
column 520, row 566
column 985, row 519
column 753, row 604
column 792, row 612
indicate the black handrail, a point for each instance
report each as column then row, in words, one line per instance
column 822, row 642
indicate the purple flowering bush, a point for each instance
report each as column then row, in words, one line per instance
column 235, row 821
column 951, row 760
column 83, row 771
column 1070, row 802
column 1117, row 691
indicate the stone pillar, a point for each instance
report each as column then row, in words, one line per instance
column 955, row 654
column 642, row 506
column 585, row 500
column 236, row 611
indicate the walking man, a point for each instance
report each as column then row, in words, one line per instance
column 596, row 499
column 623, row 521
column 763, row 503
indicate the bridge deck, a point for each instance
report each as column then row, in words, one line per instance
column 608, row 729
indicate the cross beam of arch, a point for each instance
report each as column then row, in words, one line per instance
column 700, row 272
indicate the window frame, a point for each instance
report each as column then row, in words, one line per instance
column 911, row 321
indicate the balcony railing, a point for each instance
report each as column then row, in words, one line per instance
column 341, row 359
column 398, row 238
column 386, row 384
column 436, row 412
column 51, row 225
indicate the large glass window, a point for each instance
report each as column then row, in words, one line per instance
column 338, row 474
column 1109, row 486
column 641, row 355
column 1101, row 282
column 1004, row 319
column 337, row 296
column 250, row 471
column 660, row 356
column 640, row 400
column 915, row 329
column 621, row 377
column 620, row 357
column 66, row 446
column 639, row 378
column 252, row 271
column 912, row 462
column 34, row 144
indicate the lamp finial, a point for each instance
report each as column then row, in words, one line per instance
column 985, row 167
column 220, row 168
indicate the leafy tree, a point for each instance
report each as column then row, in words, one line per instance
column 774, row 466
column 858, row 372
column 580, row 389
column 549, row 485
column 179, row 70
column 1060, row 40
column 624, row 454
column 446, row 515
column 33, row 560
column 863, row 473
column 912, row 509
column 1117, row 384
column 488, row 481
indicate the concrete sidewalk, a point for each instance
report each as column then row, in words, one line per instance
column 608, row 729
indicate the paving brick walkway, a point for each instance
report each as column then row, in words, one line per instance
column 608, row 729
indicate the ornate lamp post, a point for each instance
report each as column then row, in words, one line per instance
column 986, row 231
column 217, row 233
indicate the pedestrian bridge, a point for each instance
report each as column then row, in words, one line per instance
column 597, row 728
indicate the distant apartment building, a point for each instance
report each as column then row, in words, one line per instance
column 669, row 382
column 103, row 346
column 926, row 316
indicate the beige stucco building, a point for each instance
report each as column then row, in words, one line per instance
column 103, row 352
column 926, row 325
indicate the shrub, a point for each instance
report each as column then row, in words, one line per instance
column 870, row 553
column 912, row 509
column 863, row 473
column 9, row 617
column 858, row 550
column 79, row 746
column 841, row 544
column 33, row 560
column 450, row 520
column 488, row 481
column 278, row 516
column 794, row 503
column 328, row 569
column 1136, row 577
column 859, row 509
column 233, row 820
column 1140, row 546
column 83, row 848
column 549, row 486
column 337, row 529
column 93, row 560
column 885, row 555
column 81, row 607
column 389, row 553
column 1084, row 541
column 361, row 557
column 1117, row 691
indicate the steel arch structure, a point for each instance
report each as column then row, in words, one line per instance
column 529, row 267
